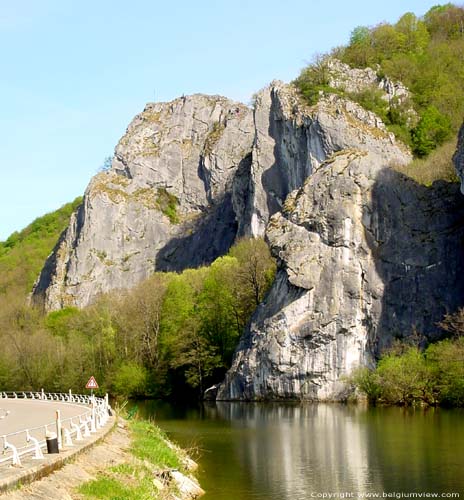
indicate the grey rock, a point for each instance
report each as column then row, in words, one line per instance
column 192, row 150
column 292, row 140
column 342, row 76
column 356, row 80
column 367, row 255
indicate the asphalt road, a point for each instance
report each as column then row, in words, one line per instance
column 26, row 414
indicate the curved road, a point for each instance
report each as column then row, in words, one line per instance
column 26, row 413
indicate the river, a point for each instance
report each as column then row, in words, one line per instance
column 301, row 451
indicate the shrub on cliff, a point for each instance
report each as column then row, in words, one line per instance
column 425, row 54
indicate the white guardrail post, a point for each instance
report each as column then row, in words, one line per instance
column 90, row 420
column 58, row 428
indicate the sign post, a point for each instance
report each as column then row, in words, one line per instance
column 91, row 384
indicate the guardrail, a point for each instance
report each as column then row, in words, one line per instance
column 35, row 439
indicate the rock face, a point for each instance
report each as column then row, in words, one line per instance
column 366, row 255
column 342, row 76
column 190, row 176
column 292, row 140
column 165, row 204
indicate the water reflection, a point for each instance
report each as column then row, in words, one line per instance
column 296, row 450
column 272, row 451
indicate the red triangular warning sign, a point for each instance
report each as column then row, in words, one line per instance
column 92, row 383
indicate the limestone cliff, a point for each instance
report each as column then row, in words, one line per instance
column 365, row 254
column 165, row 204
column 292, row 140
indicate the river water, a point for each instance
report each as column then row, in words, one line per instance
column 300, row 451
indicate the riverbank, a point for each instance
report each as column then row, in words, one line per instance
column 135, row 461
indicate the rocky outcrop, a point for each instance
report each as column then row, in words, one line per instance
column 354, row 80
column 367, row 255
column 165, row 204
column 292, row 140
column 190, row 176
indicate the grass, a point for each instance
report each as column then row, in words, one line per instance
column 106, row 487
column 437, row 166
column 167, row 203
column 151, row 452
column 149, row 443
column 213, row 137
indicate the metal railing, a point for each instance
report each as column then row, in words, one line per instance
column 33, row 440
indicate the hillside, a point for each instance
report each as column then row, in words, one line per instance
column 418, row 60
column 23, row 254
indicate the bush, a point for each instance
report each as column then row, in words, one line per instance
column 367, row 382
column 130, row 380
column 446, row 359
column 405, row 379
column 425, row 55
column 432, row 130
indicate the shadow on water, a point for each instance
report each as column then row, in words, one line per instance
column 416, row 237
column 276, row 451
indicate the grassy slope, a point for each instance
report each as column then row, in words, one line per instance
column 23, row 254
column 134, row 480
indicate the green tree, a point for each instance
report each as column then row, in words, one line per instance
column 130, row 380
column 446, row 360
column 405, row 379
column 416, row 36
column 432, row 130
column 387, row 41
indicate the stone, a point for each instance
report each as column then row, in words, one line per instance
column 188, row 486
column 292, row 140
column 165, row 204
column 366, row 255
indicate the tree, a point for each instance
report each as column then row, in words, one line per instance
column 314, row 78
column 387, row 41
column 130, row 380
column 431, row 131
column 446, row 360
column 106, row 165
column 416, row 36
column 256, row 269
column 454, row 323
column 445, row 21
column 138, row 322
column 405, row 379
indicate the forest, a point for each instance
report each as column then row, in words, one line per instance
column 171, row 336
column 426, row 55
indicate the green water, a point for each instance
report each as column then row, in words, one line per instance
column 274, row 452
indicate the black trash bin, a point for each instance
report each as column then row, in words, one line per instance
column 52, row 443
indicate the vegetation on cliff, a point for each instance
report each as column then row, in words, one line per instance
column 23, row 254
column 172, row 335
column 425, row 54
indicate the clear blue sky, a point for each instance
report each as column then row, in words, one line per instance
column 74, row 73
